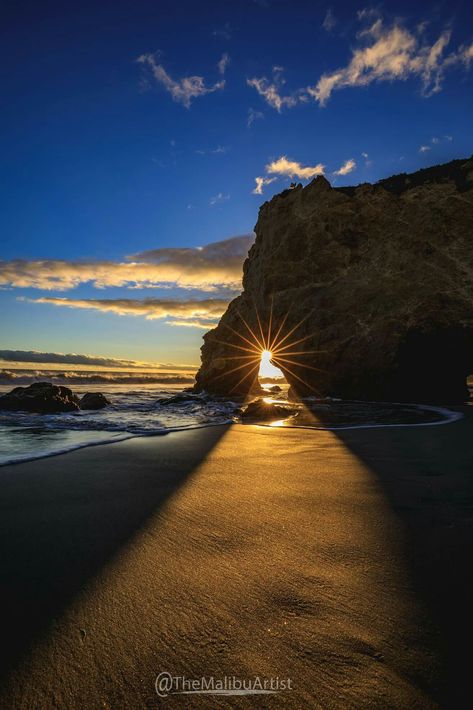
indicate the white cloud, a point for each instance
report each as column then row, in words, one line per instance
column 435, row 140
column 219, row 198
column 347, row 167
column 424, row 149
column 223, row 63
column 390, row 54
column 182, row 90
column 260, row 183
column 253, row 116
column 448, row 138
column 213, row 267
column 329, row 21
column 291, row 168
column 270, row 90
column 201, row 313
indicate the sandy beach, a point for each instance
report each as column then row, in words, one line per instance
column 339, row 560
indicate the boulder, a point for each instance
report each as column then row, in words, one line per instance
column 367, row 290
column 275, row 389
column 263, row 411
column 93, row 400
column 41, row 397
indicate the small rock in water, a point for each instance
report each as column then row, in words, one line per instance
column 40, row 397
column 181, row 399
column 275, row 388
column 93, row 400
column 259, row 410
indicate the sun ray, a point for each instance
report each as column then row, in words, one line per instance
column 297, row 377
column 234, row 369
column 298, row 325
column 256, row 344
column 251, row 332
column 238, row 347
column 278, row 348
column 261, row 329
column 244, row 377
column 300, row 364
column 271, row 345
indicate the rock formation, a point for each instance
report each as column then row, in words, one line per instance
column 46, row 398
column 41, row 397
column 373, row 284
column 93, row 400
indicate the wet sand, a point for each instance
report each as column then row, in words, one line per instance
column 340, row 560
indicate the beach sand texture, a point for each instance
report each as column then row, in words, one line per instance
column 340, row 560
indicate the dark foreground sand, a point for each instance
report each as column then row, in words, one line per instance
column 341, row 561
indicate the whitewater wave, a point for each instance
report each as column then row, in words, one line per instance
column 21, row 377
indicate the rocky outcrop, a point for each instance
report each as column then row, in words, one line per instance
column 41, row 397
column 93, row 400
column 371, row 288
column 261, row 411
column 46, row 398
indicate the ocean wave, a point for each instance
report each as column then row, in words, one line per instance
column 94, row 378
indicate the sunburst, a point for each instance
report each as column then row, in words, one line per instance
column 268, row 343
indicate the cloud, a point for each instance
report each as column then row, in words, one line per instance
column 78, row 359
column 270, row 90
column 389, row 54
column 223, row 32
column 347, row 167
column 183, row 90
column 424, row 149
column 223, row 63
column 212, row 267
column 219, row 198
column 291, row 168
column 253, row 116
column 260, row 183
column 206, row 312
column 329, row 21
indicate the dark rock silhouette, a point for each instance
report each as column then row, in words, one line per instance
column 374, row 281
column 41, row 397
column 262, row 411
column 93, row 400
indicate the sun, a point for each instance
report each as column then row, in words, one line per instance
column 266, row 368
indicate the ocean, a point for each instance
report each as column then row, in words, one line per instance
column 140, row 406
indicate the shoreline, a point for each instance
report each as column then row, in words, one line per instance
column 339, row 560
column 452, row 414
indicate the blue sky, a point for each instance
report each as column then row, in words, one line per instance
column 131, row 127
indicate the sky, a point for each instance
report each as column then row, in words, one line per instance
column 139, row 139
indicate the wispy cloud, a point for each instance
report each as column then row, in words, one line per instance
column 329, row 21
column 36, row 356
column 270, row 90
column 213, row 267
column 187, row 88
column 291, row 168
column 260, row 183
column 223, row 32
column 390, row 53
column 253, row 116
column 223, row 63
column 424, row 149
column 202, row 313
column 347, row 167
column 219, row 198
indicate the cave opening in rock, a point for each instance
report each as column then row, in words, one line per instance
column 269, row 373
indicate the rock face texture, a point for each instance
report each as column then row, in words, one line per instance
column 371, row 288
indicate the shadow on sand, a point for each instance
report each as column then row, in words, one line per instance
column 59, row 529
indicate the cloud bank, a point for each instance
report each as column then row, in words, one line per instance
column 79, row 359
column 213, row 267
column 191, row 312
